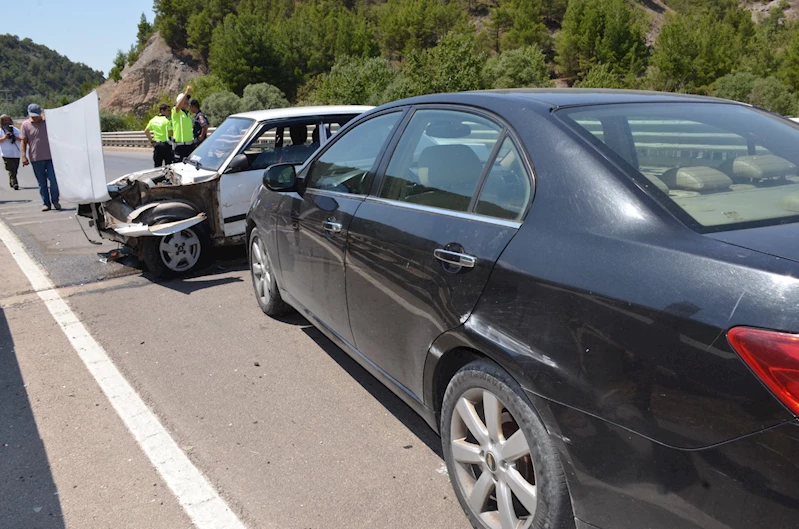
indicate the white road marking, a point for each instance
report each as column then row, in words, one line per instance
column 40, row 221
column 194, row 493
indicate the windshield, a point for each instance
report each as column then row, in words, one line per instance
column 215, row 150
column 716, row 166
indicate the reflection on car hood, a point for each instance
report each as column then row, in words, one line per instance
column 178, row 173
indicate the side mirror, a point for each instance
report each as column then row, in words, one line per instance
column 238, row 163
column 281, row 178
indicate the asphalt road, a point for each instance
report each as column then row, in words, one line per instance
column 289, row 430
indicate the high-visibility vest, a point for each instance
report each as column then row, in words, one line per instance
column 183, row 125
column 160, row 126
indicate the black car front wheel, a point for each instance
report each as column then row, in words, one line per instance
column 263, row 280
column 502, row 464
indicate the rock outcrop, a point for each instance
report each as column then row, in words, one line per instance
column 158, row 70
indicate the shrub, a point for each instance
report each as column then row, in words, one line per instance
column 517, row 68
column 262, row 96
column 353, row 81
column 220, row 105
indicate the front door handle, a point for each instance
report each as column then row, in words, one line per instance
column 332, row 227
column 455, row 258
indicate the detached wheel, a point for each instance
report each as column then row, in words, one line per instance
column 175, row 254
column 502, row 464
column 263, row 280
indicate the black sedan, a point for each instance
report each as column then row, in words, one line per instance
column 591, row 295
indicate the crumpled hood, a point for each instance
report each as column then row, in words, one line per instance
column 178, row 173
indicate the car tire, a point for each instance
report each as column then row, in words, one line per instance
column 508, row 474
column 176, row 254
column 264, row 284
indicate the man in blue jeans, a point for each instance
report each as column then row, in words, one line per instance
column 35, row 149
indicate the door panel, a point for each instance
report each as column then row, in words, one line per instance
column 311, row 244
column 401, row 297
column 313, row 227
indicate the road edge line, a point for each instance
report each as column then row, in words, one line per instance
column 198, row 498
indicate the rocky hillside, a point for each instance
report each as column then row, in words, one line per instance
column 158, row 70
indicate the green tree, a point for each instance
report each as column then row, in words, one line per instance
column 119, row 64
column 694, row 50
column 172, row 18
column 517, row 68
column 201, row 24
column 452, row 66
column 145, row 29
column 789, row 71
column 220, row 105
column 408, row 25
column 602, row 76
column 353, row 81
column 517, row 23
column 244, row 51
column 610, row 32
column 206, row 85
column 262, row 96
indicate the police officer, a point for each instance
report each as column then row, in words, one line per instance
column 200, row 122
column 158, row 131
column 183, row 126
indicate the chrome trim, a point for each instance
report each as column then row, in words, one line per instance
column 332, row 227
column 455, row 258
column 447, row 212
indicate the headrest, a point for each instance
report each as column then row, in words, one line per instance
column 451, row 168
column 698, row 178
column 761, row 166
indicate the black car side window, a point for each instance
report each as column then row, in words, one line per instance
column 439, row 159
column 506, row 190
column 346, row 167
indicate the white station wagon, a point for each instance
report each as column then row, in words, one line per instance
column 170, row 216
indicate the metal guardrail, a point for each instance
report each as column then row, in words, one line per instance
column 132, row 139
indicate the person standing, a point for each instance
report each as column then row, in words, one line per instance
column 157, row 132
column 36, row 145
column 9, row 148
column 200, row 127
column 183, row 126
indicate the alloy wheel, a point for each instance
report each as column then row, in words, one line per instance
column 261, row 275
column 180, row 251
column 493, row 461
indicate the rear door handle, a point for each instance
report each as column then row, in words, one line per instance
column 332, row 227
column 455, row 258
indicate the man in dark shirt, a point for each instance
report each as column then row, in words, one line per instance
column 200, row 122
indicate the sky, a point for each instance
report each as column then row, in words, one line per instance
column 87, row 31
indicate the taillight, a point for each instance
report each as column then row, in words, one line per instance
column 774, row 357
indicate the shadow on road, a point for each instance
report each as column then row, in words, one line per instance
column 28, row 495
column 381, row 393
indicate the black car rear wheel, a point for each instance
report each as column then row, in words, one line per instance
column 502, row 464
column 263, row 280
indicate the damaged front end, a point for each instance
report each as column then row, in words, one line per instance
column 156, row 202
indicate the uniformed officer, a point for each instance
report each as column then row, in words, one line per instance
column 183, row 126
column 200, row 122
column 158, row 132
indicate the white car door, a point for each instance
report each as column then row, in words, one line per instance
column 291, row 141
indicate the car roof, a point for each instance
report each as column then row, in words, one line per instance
column 563, row 97
column 298, row 112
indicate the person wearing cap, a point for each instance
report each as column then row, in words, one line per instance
column 158, row 131
column 200, row 126
column 183, row 125
column 9, row 149
column 35, row 149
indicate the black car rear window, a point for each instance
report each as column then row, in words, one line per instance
column 718, row 166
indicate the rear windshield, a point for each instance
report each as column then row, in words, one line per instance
column 717, row 166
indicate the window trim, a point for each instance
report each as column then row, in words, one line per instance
column 342, row 133
column 506, row 131
column 516, row 224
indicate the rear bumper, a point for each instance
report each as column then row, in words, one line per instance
column 620, row 480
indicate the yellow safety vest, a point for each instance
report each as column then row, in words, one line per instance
column 183, row 125
column 160, row 126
